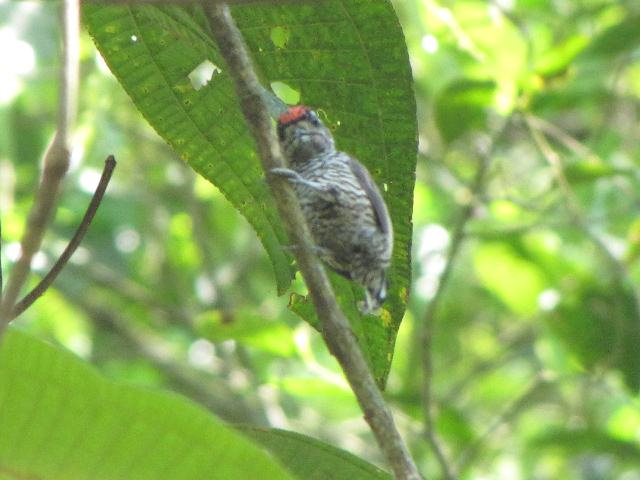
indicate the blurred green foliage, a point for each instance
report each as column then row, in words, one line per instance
column 534, row 347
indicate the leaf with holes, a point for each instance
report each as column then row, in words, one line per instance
column 345, row 58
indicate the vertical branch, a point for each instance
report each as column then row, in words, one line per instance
column 56, row 163
column 428, row 322
column 335, row 327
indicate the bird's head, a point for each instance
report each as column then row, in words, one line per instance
column 302, row 135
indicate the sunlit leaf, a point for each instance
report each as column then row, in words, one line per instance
column 60, row 419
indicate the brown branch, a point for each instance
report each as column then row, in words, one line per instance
column 335, row 327
column 49, row 278
column 56, row 163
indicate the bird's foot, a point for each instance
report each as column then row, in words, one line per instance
column 294, row 177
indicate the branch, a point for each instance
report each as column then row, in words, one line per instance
column 56, row 163
column 210, row 391
column 49, row 278
column 335, row 327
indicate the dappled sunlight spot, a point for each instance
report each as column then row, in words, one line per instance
column 12, row 251
column 88, row 180
column 548, row 299
column 17, row 60
column 202, row 355
column 429, row 43
column 39, row 261
column 286, row 93
column 203, row 74
column 434, row 239
column 80, row 344
column 205, row 289
column 226, row 274
column 175, row 174
column 127, row 240
column 239, row 380
column 81, row 256
column 432, row 245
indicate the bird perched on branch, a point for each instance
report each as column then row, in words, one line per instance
column 344, row 209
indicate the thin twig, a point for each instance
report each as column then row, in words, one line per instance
column 563, row 137
column 335, row 327
column 56, row 163
column 45, row 283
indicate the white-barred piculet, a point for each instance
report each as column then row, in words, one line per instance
column 344, row 209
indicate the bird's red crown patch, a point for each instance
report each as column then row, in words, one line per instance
column 293, row 114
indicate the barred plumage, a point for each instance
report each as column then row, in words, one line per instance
column 343, row 207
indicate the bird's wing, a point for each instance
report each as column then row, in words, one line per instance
column 373, row 193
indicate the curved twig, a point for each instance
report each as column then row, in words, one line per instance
column 45, row 283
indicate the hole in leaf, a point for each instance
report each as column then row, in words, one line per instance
column 280, row 36
column 286, row 93
column 202, row 74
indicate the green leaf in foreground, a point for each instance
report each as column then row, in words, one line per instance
column 61, row 420
column 312, row 459
column 346, row 58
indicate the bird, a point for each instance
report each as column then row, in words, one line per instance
column 344, row 209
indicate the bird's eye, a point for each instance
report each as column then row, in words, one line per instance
column 313, row 118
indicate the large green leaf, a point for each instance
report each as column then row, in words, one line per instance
column 59, row 419
column 346, row 58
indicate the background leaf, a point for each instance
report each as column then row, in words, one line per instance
column 62, row 420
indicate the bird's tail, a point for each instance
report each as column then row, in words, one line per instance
column 375, row 293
